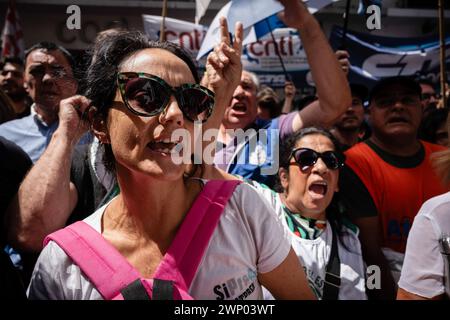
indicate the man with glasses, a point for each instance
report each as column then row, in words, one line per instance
column 429, row 96
column 49, row 78
column 388, row 177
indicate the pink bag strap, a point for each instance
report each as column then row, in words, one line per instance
column 184, row 255
column 108, row 270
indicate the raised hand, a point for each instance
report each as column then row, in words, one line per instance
column 73, row 117
column 223, row 65
column 289, row 90
column 295, row 13
column 342, row 56
column 289, row 94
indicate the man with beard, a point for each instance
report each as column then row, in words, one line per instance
column 349, row 126
column 429, row 96
column 246, row 145
column 11, row 82
column 388, row 177
column 49, row 78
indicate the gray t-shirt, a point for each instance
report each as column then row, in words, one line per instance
column 423, row 268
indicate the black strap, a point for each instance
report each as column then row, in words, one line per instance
column 135, row 291
column 333, row 271
column 162, row 289
column 447, row 275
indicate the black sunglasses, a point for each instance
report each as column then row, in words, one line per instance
column 147, row 95
column 306, row 158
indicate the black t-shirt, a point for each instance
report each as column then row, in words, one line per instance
column 14, row 164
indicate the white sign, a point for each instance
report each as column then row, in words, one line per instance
column 185, row 34
column 259, row 56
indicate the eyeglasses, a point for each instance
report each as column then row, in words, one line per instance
column 306, row 158
column 147, row 95
column 427, row 96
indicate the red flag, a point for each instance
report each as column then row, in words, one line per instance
column 12, row 36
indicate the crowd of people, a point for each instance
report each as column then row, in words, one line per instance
column 94, row 206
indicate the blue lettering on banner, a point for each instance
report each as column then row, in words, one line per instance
column 415, row 56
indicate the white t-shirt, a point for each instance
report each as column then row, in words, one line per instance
column 423, row 267
column 248, row 240
column 314, row 255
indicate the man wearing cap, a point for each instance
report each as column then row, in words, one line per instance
column 349, row 127
column 388, row 177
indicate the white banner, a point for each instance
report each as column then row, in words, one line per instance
column 185, row 34
column 259, row 56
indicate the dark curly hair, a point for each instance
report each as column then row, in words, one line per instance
column 288, row 144
column 335, row 211
column 50, row 46
column 100, row 83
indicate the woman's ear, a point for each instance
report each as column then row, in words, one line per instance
column 98, row 125
column 284, row 178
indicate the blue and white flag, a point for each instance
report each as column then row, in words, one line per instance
column 375, row 57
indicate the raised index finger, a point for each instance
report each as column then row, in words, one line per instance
column 224, row 34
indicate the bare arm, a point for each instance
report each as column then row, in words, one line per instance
column 331, row 83
column 46, row 197
column 288, row 280
column 371, row 248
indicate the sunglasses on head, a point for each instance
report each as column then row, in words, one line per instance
column 307, row 158
column 147, row 95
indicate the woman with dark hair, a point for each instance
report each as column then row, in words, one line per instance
column 165, row 235
column 325, row 242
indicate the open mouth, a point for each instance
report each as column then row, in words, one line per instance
column 164, row 147
column 398, row 119
column 318, row 188
column 240, row 107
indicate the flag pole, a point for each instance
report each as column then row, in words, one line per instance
column 442, row 51
column 162, row 31
column 344, row 31
column 287, row 77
